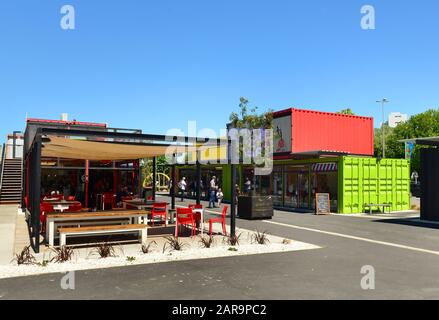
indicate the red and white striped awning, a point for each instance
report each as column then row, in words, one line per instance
column 324, row 167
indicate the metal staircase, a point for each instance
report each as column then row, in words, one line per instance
column 11, row 180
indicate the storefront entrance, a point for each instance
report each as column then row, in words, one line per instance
column 295, row 186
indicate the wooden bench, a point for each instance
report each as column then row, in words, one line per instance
column 383, row 205
column 142, row 229
column 96, row 218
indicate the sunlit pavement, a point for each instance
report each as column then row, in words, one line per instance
column 403, row 252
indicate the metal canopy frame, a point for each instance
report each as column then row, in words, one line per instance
column 429, row 141
column 31, row 196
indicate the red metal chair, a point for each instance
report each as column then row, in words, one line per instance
column 159, row 210
column 149, row 198
column 185, row 216
column 71, row 198
column 196, row 206
column 77, row 207
column 221, row 220
column 109, row 198
column 44, row 209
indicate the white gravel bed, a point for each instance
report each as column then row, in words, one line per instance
column 85, row 259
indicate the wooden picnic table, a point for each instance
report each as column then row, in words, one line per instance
column 141, row 204
column 62, row 205
column 76, row 218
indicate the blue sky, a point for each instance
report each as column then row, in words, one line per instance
column 155, row 65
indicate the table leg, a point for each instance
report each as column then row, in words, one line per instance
column 202, row 222
column 51, row 227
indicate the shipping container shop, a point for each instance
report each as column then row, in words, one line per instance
column 353, row 183
column 322, row 152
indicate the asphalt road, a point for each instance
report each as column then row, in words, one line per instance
column 403, row 252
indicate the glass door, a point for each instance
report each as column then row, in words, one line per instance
column 277, row 188
column 296, row 193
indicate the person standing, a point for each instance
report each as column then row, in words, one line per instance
column 212, row 192
column 247, row 186
column 182, row 187
column 219, row 196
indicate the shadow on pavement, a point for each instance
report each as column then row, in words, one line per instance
column 413, row 222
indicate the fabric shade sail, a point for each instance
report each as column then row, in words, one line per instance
column 70, row 148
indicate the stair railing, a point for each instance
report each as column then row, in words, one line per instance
column 2, row 165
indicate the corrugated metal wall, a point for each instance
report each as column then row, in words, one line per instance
column 430, row 184
column 315, row 130
column 366, row 180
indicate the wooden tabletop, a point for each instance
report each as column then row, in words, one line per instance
column 119, row 213
column 61, row 202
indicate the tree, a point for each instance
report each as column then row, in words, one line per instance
column 422, row 125
column 251, row 120
column 347, row 111
column 146, row 167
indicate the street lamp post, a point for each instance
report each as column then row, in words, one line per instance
column 383, row 101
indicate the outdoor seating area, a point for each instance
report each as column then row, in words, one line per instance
column 135, row 218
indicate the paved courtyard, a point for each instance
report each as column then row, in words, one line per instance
column 403, row 251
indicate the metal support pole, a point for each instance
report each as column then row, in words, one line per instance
column 140, row 182
column 173, row 187
column 154, row 176
column 382, row 130
column 37, row 192
column 87, row 169
column 233, row 202
column 198, row 189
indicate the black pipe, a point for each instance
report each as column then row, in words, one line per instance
column 233, row 202
column 173, row 186
column 154, row 174
column 198, row 172
column 37, row 191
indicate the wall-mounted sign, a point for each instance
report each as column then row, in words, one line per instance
column 409, row 147
column 323, row 204
column 282, row 134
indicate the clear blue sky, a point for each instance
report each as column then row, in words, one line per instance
column 156, row 64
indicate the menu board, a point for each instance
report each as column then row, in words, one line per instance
column 323, row 205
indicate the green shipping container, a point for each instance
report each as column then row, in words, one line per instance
column 367, row 180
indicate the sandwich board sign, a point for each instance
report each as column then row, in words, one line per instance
column 323, row 205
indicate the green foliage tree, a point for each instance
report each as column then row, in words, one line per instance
column 422, row 125
column 250, row 120
column 347, row 111
column 146, row 167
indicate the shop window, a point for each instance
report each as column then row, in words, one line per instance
column 324, row 179
column 296, row 193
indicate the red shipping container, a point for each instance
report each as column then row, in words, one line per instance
column 298, row 131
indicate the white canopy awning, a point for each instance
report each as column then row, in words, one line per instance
column 68, row 148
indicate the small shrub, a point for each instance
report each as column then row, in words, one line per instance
column 45, row 263
column 62, row 254
column 233, row 240
column 260, row 237
column 175, row 244
column 232, row 249
column 25, row 257
column 147, row 248
column 286, row 241
column 105, row 250
column 206, row 242
column 131, row 259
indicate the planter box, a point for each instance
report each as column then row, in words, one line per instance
column 255, row 207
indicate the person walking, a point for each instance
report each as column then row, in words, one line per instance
column 212, row 192
column 182, row 187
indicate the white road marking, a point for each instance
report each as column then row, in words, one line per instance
column 384, row 243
